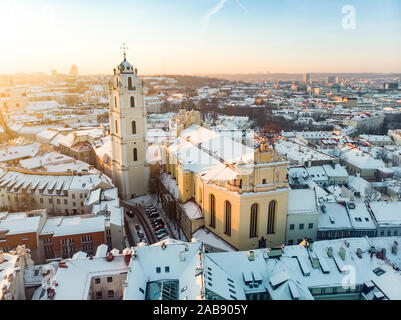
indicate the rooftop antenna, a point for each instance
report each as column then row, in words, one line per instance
column 124, row 48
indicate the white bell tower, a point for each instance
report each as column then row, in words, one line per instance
column 128, row 132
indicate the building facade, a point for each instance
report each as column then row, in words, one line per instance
column 128, row 132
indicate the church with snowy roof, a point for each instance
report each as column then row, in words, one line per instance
column 241, row 192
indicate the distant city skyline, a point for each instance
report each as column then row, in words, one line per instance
column 200, row 36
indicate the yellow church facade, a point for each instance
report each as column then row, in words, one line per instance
column 243, row 193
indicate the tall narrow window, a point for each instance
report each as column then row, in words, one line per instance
column 227, row 218
column 116, row 126
column 133, row 127
column 135, row 154
column 253, row 228
column 130, row 83
column 271, row 222
column 115, row 101
column 212, row 211
column 132, row 102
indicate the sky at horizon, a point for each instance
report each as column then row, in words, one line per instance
column 200, row 36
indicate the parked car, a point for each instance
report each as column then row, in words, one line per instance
column 159, row 227
column 137, row 227
column 162, row 236
column 154, row 215
column 156, row 220
column 157, row 223
column 161, row 231
column 140, row 234
column 130, row 213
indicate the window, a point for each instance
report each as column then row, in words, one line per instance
column 58, row 201
column 272, row 217
column 99, row 295
column 133, row 127
column 74, row 204
column 80, row 195
column 130, row 83
column 135, row 154
column 158, row 270
column 65, row 201
column 109, row 279
column 389, row 233
column 378, row 271
column 290, row 242
column 132, row 102
column 301, row 226
column 110, row 293
column 116, row 123
column 310, row 225
column 115, row 101
column 254, row 221
column 212, row 211
column 41, row 200
column 264, row 181
column 73, row 196
column 227, row 217
column 292, row 226
column 167, row 269
column 97, row 280
column 382, row 233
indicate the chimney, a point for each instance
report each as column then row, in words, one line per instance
column 341, row 253
column 394, row 249
column 251, row 255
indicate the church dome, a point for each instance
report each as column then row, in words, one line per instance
column 125, row 66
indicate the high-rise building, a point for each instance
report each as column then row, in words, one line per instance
column 306, row 78
column 74, row 70
column 128, row 132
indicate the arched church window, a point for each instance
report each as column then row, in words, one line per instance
column 130, row 83
column 212, row 211
column 227, row 218
column 271, row 222
column 132, row 102
column 135, row 154
column 253, row 228
column 133, row 127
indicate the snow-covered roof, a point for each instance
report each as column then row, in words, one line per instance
column 302, row 201
column 334, row 216
column 386, row 213
column 73, row 225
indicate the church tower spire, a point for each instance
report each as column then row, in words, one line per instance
column 130, row 172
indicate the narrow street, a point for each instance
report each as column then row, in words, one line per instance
column 144, row 222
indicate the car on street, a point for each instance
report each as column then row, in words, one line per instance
column 161, row 231
column 140, row 234
column 137, row 227
column 158, row 227
column 130, row 213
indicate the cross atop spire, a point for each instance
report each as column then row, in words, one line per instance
column 124, row 48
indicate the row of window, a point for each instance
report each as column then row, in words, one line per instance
column 110, row 294
column 133, row 126
column 132, row 102
column 301, row 226
column 253, row 228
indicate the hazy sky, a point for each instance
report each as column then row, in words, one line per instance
column 200, row 36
